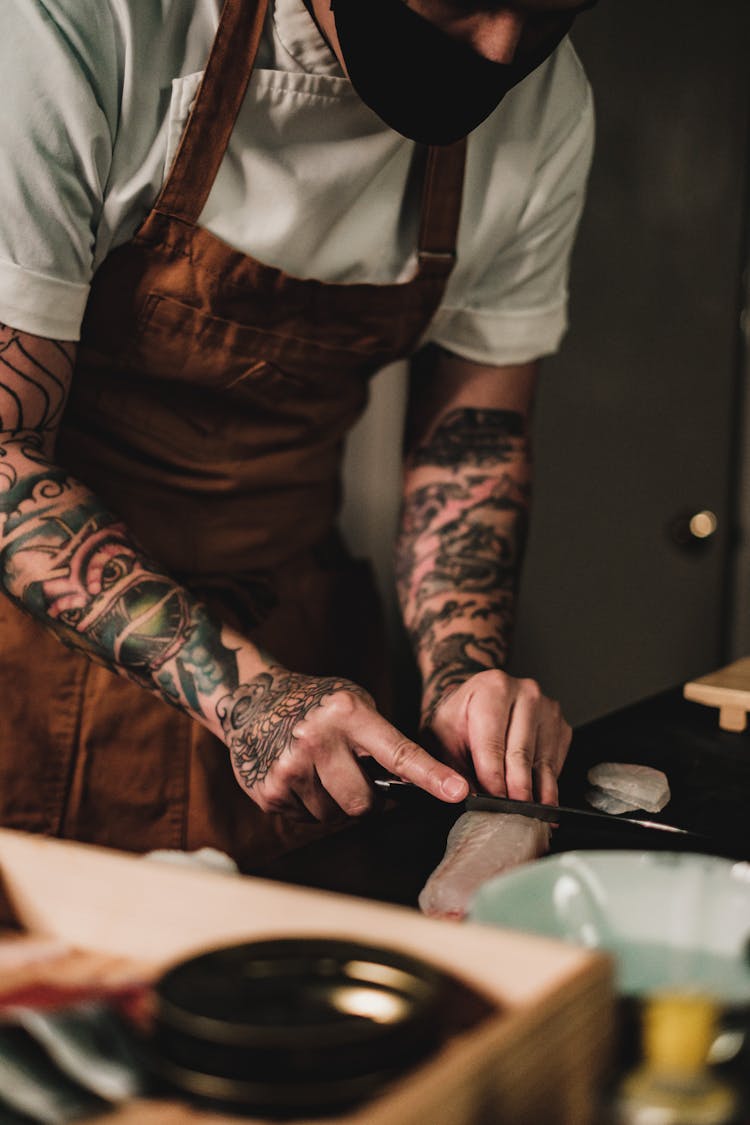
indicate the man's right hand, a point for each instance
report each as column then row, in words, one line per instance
column 295, row 741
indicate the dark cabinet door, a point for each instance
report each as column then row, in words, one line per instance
column 637, row 423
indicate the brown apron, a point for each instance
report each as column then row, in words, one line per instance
column 210, row 401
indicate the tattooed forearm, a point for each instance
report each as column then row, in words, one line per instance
column 463, row 527
column 469, row 437
column 259, row 718
column 463, row 537
column 73, row 565
column 432, row 622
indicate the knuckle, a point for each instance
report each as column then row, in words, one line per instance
column 275, row 794
column 286, row 772
column 490, row 777
column 495, row 745
column 495, row 679
column 545, row 769
column 404, row 753
column 307, row 745
column 343, row 704
column 520, row 787
column 521, row 755
column 303, row 734
column 531, row 689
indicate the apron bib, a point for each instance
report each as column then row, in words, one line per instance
column 210, row 402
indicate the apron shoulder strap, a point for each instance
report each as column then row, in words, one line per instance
column 442, row 193
column 212, row 118
column 217, row 103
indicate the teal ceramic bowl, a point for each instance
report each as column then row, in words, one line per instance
column 671, row 920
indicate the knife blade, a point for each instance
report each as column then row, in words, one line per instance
column 559, row 814
column 554, row 814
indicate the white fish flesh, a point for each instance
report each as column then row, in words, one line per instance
column 480, row 845
column 643, row 787
column 605, row 802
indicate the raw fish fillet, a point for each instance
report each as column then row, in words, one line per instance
column 645, row 786
column 480, row 845
column 605, row 802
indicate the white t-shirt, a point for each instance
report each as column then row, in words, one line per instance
column 95, row 94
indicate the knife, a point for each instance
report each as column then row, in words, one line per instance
column 555, row 814
column 558, row 814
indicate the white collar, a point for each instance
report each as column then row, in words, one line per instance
column 298, row 35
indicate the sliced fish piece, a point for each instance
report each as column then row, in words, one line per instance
column 605, row 802
column 480, row 845
column 627, row 782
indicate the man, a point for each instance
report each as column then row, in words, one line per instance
column 201, row 264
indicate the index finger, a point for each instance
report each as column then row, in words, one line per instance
column 409, row 761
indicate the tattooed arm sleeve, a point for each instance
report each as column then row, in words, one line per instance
column 72, row 564
column 294, row 740
column 464, row 516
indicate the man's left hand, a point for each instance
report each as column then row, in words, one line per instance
column 504, row 731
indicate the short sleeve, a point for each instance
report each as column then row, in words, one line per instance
column 509, row 303
column 57, row 124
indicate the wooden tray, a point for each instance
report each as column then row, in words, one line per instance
column 728, row 689
column 540, row 1058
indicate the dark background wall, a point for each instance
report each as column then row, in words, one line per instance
column 637, row 417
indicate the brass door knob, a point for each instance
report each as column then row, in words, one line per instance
column 692, row 529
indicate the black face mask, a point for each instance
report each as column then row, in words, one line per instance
column 422, row 82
